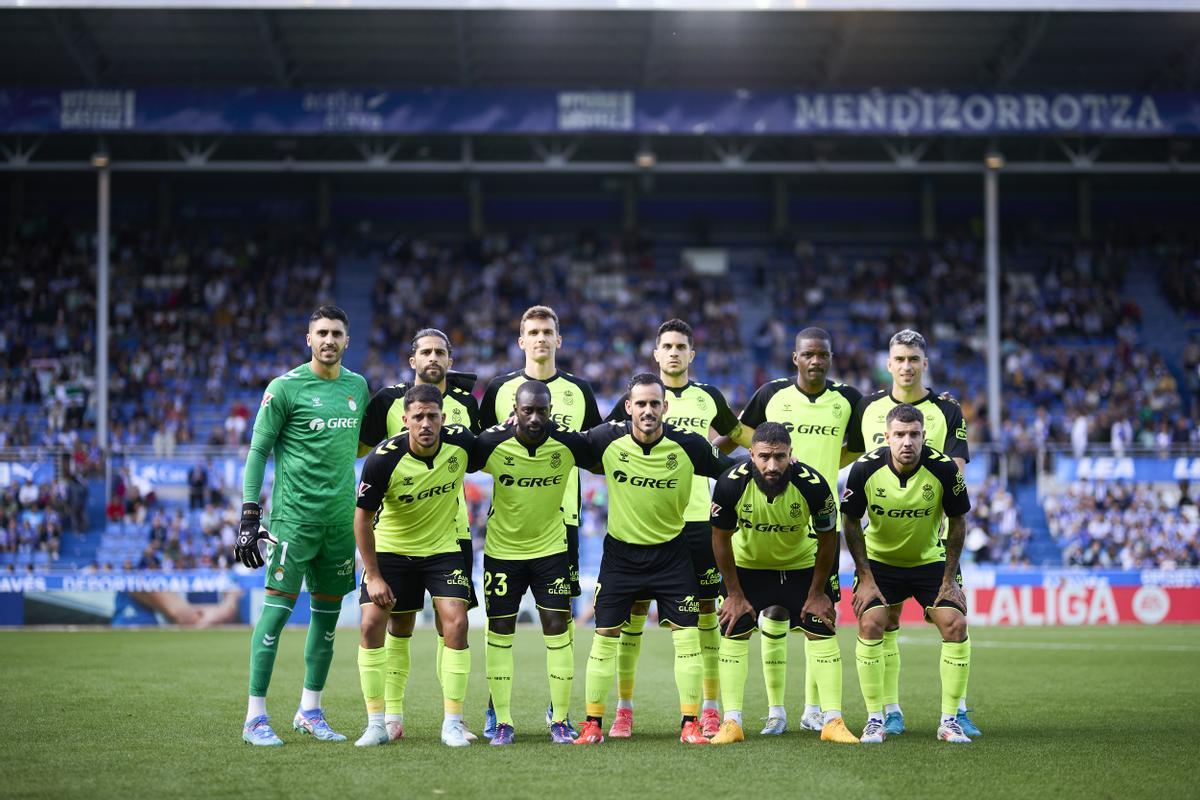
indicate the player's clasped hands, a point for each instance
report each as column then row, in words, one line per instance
column 734, row 608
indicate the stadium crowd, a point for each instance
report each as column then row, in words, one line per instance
column 1126, row 525
column 35, row 515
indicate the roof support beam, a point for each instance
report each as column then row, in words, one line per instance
column 460, row 43
column 281, row 65
column 75, row 38
column 841, row 44
column 1003, row 66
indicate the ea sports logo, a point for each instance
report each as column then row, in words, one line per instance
column 316, row 425
column 620, row 476
column 1151, row 604
column 506, row 480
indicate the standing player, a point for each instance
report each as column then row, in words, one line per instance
column 574, row 410
column 526, row 548
column 906, row 488
column 945, row 430
column 309, row 420
column 408, row 548
column 649, row 468
column 775, row 538
column 695, row 407
column 816, row 412
column 430, row 359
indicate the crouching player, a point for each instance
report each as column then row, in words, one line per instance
column 905, row 489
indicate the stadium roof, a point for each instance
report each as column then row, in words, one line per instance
column 628, row 49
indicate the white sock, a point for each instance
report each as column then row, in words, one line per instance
column 832, row 715
column 777, row 711
column 625, row 704
column 962, row 704
column 947, row 718
column 394, row 718
column 736, row 716
column 811, row 710
column 709, row 704
column 257, row 707
column 876, row 716
column 310, row 700
column 453, row 718
column 374, row 718
column 893, row 708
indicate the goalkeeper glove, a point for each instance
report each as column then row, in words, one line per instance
column 245, row 547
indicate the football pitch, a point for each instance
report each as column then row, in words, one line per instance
column 1065, row 712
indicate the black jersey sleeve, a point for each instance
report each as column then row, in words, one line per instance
column 725, row 421
column 815, row 491
column 955, row 499
column 727, row 493
column 598, row 438
column 706, row 459
column 577, row 444
column 854, row 397
column 956, row 430
column 470, row 403
column 854, row 496
column 374, row 424
column 485, row 444
column 458, row 436
column 755, row 412
column 487, row 406
column 591, row 411
column 618, row 413
column 461, row 380
column 377, row 472
column 854, row 433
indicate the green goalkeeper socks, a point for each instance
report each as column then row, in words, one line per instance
column 774, row 658
column 955, row 668
column 627, row 658
column 264, row 642
column 318, row 647
column 499, row 663
column 560, row 669
column 734, row 665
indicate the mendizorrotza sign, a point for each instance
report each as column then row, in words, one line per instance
column 534, row 111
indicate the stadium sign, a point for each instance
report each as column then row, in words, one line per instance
column 1108, row 468
column 905, row 112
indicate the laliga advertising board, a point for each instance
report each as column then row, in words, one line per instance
column 1069, row 598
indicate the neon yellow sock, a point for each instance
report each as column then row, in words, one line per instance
column 560, row 670
column 456, row 668
column 710, row 649
column 689, row 674
column 627, row 656
column 774, row 658
column 812, row 694
column 825, row 659
column 372, row 662
column 398, row 667
column 734, row 664
column 869, row 655
column 891, row 668
column 499, row 660
column 955, row 669
column 438, row 651
column 601, row 667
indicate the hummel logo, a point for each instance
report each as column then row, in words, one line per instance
column 316, row 402
column 269, row 640
column 329, row 636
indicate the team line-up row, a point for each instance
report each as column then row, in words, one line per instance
column 764, row 543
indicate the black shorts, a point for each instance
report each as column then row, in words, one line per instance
column 923, row 583
column 468, row 553
column 573, row 559
column 698, row 536
column 505, row 582
column 409, row 577
column 659, row 572
column 787, row 588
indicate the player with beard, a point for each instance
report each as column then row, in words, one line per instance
column 775, row 537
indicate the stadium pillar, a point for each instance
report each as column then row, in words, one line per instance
column 1083, row 204
column 100, row 162
column 991, row 203
column 475, row 206
column 928, row 210
column 780, row 222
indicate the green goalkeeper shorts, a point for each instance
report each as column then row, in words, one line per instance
column 322, row 556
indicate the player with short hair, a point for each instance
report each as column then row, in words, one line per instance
column 431, row 359
column 905, row 489
column 649, row 468
column 774, row 532
column 308, row 420
column 946, row 431
column 405, row 526
column 816, row 412
column 526, row 548
column 695, row 407
column 575, row 409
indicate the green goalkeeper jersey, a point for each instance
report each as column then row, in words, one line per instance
column 310, row 425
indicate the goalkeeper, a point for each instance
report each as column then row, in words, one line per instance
column 309, row 419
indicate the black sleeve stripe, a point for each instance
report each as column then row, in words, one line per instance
column 591, row 411
column 724, row 421
column 618, row 410
column 374, row 424
column 755, row 412
column 487, row 408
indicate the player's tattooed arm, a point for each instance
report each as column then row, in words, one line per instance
column 865, row 589
column 956, row 534
column 818, row 603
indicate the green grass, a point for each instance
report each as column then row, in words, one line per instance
column 1066, row 712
